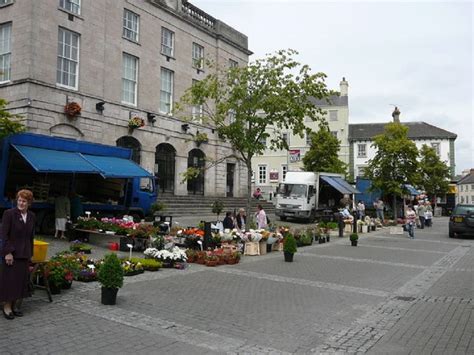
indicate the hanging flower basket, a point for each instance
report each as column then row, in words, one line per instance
column 72, row 109
column 136, row 122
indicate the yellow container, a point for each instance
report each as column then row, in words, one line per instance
column 40, row 251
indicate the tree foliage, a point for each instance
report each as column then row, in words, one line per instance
column 322, row 155
column 8, row 122
column 250, row 106
column 395, row 162
column 433, row 173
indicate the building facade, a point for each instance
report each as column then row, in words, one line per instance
column 465, row 189
column 270, row 168
column 121, row 61
column 361, row 139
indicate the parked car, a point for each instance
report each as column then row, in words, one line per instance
column 461, row 220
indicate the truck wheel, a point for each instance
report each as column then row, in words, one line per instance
column 282, row 218
column 48, row 224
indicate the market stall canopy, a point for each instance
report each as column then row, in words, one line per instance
column 411, row 190
column 340, row 185
column 58, row 161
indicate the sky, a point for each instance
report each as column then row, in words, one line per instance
column 415, row 55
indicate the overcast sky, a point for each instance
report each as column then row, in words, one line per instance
column 416, row 55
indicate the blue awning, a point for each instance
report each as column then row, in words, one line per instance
column 340, row 184
column 411, row 190
column 113, row 167
column 48, row 160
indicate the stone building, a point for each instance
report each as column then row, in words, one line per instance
column 465, row 189
column 121, row 59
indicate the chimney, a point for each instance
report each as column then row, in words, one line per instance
column 344, row 85
column 396, row 115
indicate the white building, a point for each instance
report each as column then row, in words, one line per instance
column 465, row 189
column 270, row 168
column 361, row 139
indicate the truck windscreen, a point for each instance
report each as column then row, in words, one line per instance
column 293, row 190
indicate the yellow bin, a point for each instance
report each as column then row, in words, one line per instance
column 40, row 251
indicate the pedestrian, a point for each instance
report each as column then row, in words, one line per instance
column 410, row 216
column 257, row 194
column 361, row 210
column 379, row 206
column 261, row 217
column 421, row 213
column 428, row 214
column 62, row 211
column 18, row 230
column 228, row 222
column 241, row 220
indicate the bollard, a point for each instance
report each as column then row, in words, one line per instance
column 341, row 225
column 354, row 226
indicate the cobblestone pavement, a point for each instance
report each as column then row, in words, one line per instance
column 389, row 295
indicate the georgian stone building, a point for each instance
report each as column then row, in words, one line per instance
column 465, row 189
column 121, row 59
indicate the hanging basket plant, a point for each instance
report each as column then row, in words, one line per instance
column 200, row 138
column 136, row 122
column 72, row 109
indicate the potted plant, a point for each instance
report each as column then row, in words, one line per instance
column 110, row 276
column 354, row 237
column 200, row 138
column 289, row 247
column 78, row 246
column 72, row 109
column 135, row 122
column 211, row 260
column 217, row 208
column 233, row 258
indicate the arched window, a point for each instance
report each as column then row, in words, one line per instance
column 196, row 159
column 165, row 158
column 133, row 144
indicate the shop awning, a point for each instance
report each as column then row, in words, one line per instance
column 412, row 190
column 57, row 161
column 113, row 167
column 340, row 184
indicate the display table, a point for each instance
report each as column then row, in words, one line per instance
column 104, row 239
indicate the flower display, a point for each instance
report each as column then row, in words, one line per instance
column 72, row 109
column 175, row 254
column 252, row 236
column 136, row 122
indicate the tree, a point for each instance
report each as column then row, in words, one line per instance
column 8, row 122
column 322, row 154
column 248, row 104
column 433, row 173
column 395, row 163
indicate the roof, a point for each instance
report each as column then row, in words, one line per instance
column 333, row 100
column 468, row 179
column 416, row 130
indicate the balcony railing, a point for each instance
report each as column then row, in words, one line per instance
column 198, row 15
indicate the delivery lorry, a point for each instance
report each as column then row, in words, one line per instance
column 311, row 195
column 108, row 182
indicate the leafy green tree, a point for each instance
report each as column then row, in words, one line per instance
column 433, row 173
column 249, row 104
column 8, row 122
column 395, row 162
column 322, row 155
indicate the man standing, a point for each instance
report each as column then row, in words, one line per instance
column 62, row 211
column 411, row 221
column 421, row 214
column 379, row 206
column 361, row 210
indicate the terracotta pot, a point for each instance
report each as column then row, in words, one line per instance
column 211, row 263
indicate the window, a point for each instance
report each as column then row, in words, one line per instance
column 334, row 133
column 461, row 187
column 196, row 110
column 462, row 199
column 198, row 56
column 68, row 59
column 5, row 2
column 5, row 51
column 435, row 146
column 73, row 6
column 285, row 138
column 472, row 187
column 308, row 138
column 361, row 170
column 262, row 174
column 332, row 115
column 467, row 199
column 130, row 25
column 284, row 170
column 166, row 93
column 167, row 42
column 233, row 63
column 129, row 79
column 361, row 150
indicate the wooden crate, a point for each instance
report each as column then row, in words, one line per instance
column 252, row 248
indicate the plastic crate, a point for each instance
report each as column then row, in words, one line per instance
column 40, row 251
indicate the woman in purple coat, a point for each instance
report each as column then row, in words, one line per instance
column 18, row 229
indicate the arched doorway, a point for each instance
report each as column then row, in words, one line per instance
column 133, row 144
column 165, row 157
column 196, row 159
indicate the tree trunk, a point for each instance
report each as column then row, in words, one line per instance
column 249, row 193
column 394, row 207
column 435, row 202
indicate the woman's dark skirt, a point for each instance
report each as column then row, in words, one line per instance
column 14, row 280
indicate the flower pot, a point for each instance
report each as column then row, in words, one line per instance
column 55, row 290
column 109, row 296
column 288, row 256
column 354, row 243
column 232, row 261
column 168, row 264
column 200, row 261
column 66, row 285
column 191, row 259
column 211, row 263
column 328, row 238
column 269, row 248
column 320, row 240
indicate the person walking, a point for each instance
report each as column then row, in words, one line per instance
column 379, row 206
column 62, row 211
column 261, row 217
column 361, row 210
column 428, row 214
column 17, row 232
column 410, row 216
column 421, row 214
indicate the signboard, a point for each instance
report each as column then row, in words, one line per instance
column 295, row 155
column 273, row 175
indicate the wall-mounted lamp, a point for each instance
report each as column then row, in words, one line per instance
column 151, row 117
column 185, row 127
column 28, row 101
column 100, row 106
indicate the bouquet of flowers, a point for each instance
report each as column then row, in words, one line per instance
column 175, row 254
column 136, row 122
column 252, row 236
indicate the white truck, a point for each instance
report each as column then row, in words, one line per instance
column 309, row 195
